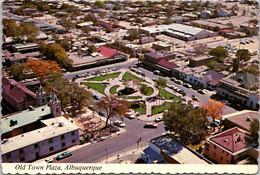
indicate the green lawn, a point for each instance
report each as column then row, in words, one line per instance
column 169, row 96
column 149, row 91
column 96, row 86
column 162, row 108
column 104, row 77
column 128, row 76
column 112, row 90
column 141, row 109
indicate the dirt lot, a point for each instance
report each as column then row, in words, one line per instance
column 92, row 127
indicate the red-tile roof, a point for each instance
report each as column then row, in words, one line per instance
column 17, row 90
column 232, row 140
column 166, row 63
column 106, row 51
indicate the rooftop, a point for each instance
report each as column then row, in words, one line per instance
column 54, row 127
column 23, row 118
column 242, row 118
column 211, row 24
column 176, row 150
column 232, row 140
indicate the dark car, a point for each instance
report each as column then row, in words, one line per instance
column 101, row 113
column 226, row 102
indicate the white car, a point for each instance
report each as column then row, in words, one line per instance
column 49, row 160
column 158, row 119
column 130, row 115
column 119, row 123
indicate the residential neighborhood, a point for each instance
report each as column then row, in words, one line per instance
column 130, row 82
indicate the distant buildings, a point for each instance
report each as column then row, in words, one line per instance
column 180, row 31
column 229, row 147
column 210, row 25
column 167, row 149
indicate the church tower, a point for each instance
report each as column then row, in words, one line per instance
column 55, row 106
column 41, row 97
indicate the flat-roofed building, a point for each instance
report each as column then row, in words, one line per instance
column 161, row 46
column 209, row 25
column 201, row 60
column 25, row 47
column 80, row 25
column 241, row 119
column 167, row 149
column 55, row 134
column 180, row 31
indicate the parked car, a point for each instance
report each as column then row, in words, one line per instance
column 119, row 123
column 154, row 79
column 195, row 98
column 101, row 113
column 179, row 82
column 216, row 124
column 201, row 91
column 150, row 125
column 173, row 87
column 78, row 76
column 96, row 97
column 64, row 155
column 187, row 85
column 247, row 42
column 49, row 160
column 137, row 114
column 156, row 72
column 226, row 102
column 173, row 79
column 130, row 115
column 255, row 61
column 242, row 42
column 251, row 41
column 158, row 119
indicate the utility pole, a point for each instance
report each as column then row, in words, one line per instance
column 106, row 154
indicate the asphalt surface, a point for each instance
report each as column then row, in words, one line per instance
column 115, row 145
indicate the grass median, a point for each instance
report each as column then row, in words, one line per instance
column 128, row 76
column 168, row 95
column 96, row 86
column 104, row 77
column 113, row 89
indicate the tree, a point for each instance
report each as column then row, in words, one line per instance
column 255, row 21
column 189, row 123
column 133, row 34
column 42, row 68
column 252, row 69
column 216, row 28
column 92, row 49
column 65, row 44
column 99, row 4
column 11, row 29
column 86, row 30
column 235, row 65
column 55, row 52
column 60, row 86
column 243, row 54
column 79, row 98
column 29, row 30
column 200, row 49
column 113, row 106
column 214, row 109
column 167, row 21
column 67, row 23
column 17, row 71
column 219, row 52
column 213, row 65
column 254, row 128
column 161, row 82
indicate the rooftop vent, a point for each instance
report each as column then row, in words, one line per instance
column 4, row 141
column 42, row 109
column 225, row 140
column 12, row 122
column 31, row 108
column 22, row 135
column 248, row 119
column 61, row 124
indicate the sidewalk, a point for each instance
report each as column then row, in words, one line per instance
column 128, row 157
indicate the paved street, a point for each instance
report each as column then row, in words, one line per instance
column 115, row 145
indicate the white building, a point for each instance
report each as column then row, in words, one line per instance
column 56, row 134
column 180, row 31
